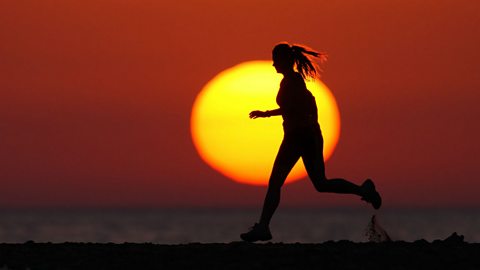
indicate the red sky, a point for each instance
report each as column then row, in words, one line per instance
column 95, row 98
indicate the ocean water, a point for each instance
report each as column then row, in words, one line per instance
column 179, row 226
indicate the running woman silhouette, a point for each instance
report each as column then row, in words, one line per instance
column 302, row 136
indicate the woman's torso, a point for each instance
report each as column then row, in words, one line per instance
column 299, row 110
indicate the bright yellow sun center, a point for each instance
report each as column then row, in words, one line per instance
column 241, row 148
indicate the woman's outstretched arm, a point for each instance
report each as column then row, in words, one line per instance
column 257, row 114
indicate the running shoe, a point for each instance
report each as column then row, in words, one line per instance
column 371, row 195
column 257, row 233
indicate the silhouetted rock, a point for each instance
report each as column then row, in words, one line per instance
column 453, row 239
column 421, row 242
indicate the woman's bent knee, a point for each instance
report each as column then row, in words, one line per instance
column 321, row 186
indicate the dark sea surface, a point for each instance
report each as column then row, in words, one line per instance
column 179, row 226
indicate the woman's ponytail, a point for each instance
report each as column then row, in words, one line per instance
column 304, row 62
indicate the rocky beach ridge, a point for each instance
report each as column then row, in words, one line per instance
column 450, row 253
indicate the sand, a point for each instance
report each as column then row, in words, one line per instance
column 451, row 253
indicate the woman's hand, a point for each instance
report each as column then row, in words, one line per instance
column 257, row 114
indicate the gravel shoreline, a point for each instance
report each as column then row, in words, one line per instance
column 451, row 253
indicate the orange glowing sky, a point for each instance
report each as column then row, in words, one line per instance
column 96, row 96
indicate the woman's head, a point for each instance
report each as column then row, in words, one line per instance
column 297, row 57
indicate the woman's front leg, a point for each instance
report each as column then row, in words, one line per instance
column 286, row 158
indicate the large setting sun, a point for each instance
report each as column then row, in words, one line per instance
column 241, row 148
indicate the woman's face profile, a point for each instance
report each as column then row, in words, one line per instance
column 281, row 66
column 275, row 65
